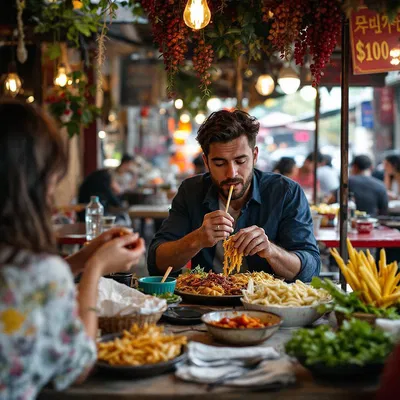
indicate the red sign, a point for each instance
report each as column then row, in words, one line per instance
column 374, row 41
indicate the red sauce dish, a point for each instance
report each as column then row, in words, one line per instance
column 364, row 227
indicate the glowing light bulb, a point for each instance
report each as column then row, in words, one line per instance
column 178, row 104
column 265, row 85
column 185, row 118
column 197, row 15
column 61, row 79
column 12, row 84
column 395, row 61
column 30, row 99
column 288, row 80
column 200, row 118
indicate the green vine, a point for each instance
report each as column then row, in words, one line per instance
column 69, row 105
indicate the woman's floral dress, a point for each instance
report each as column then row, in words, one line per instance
column 42, row 339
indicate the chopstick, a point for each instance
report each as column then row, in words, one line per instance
column 167, row 272
column 229, row 198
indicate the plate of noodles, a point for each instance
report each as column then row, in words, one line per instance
column 296, row 303
column 199, row 287
column 140, row 352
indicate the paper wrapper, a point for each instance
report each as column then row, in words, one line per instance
column 116, row 299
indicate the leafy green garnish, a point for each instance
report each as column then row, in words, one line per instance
column 197, row 270
column 170, row 297
column 356, row 342
column 349, row 303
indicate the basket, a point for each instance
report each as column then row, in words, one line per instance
column 370, row 318
column 118, row 324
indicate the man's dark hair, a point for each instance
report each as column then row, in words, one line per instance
column 320, row 157
column 327, row 160
column 285, row 165
column 394, row 159
column 127, row 158
column 362, row 162
column 224, row 126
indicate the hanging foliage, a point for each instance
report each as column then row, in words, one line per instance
column 70, row 104
column 303, row 30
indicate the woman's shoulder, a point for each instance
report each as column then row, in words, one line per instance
column 29, row 270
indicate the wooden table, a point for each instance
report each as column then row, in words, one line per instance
column 149, row 211
column 380, row 237
column 168, row 387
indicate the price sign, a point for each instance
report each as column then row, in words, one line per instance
column 374, row 40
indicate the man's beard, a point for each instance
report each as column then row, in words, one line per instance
column 235, row 196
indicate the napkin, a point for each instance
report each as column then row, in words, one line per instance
column 390, row 326
column 115, row 298
column 200, row 367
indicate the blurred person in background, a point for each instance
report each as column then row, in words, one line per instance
column 327, row 176
column 48, row 329
column 369, row 192
column 392, row 176
column 102, row 183
column 305, row 176
column 126, row 173
column 199, row 166
column 286, row 166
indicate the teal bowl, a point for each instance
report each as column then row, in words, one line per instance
column 153, row 285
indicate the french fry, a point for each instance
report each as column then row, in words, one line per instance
column 366, row 294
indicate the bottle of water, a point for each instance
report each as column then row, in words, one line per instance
column 351, row 209
column 93, row 218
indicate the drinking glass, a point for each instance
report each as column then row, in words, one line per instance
column 108, row 222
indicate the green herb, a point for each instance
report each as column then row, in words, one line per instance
column 198, row 270
column 356, row 342
column 170, row 297
column 349, row 303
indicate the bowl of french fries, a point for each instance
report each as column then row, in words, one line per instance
column 377, row 285
column 296, row 303
column 140, row 352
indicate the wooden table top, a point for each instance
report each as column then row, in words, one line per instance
column 101, row 387
column 149, row 211
column 379, row 237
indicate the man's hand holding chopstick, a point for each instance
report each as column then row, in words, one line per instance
column 216, row 226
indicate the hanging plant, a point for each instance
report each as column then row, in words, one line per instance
column 238, row 28
column 69, row 105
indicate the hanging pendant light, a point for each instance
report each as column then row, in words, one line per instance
column 288, row 80
column 265, row 85
column 197, row 14
column 61, row 78
column 12, row 82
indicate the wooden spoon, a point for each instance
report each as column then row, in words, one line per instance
column 167, row 272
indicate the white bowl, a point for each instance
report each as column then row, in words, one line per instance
column 244, row 336
column 292, row 317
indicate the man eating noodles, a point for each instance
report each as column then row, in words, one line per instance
column 268, row 213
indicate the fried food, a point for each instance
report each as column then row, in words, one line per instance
column 232, row 258
column 273, row 293
column 141, row 345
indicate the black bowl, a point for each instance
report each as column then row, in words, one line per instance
column 121, row 277
column 137, row 371
column 344, row 372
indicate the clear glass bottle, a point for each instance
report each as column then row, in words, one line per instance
column 351, row 209
column 93, row 218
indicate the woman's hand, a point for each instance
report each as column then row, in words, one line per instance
column 114, row 256
column 78, row 260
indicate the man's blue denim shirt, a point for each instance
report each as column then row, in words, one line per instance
column 277, row 204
